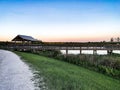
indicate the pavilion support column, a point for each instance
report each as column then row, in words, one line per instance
column 15, row 45
column 15, row 42
column 109, row 52
column 95, row 52
column 22, row 42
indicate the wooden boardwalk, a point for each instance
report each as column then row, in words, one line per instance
column 66, row 46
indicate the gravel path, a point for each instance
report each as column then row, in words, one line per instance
column 14, row 74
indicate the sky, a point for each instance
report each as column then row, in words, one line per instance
column 60, row 20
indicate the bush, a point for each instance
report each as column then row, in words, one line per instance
column 103, row 64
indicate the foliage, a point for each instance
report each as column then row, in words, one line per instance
column 106, row 64
column 59, row 75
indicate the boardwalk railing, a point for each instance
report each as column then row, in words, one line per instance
column 81, row 46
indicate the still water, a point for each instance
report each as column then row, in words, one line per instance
column 14, row 73
column 99, row 52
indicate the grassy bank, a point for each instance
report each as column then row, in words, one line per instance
column 60, row 75
column 105, row 64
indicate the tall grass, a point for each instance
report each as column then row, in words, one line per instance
column 105, row 64
column 59, row 75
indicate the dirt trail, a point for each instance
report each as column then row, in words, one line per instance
column 14, row 73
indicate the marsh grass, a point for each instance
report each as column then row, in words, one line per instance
column 59, row 75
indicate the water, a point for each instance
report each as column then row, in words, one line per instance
column 99, row 52
column 116, row 51
column 14, row 74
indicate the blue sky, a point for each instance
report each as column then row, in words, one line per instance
column 60, row 20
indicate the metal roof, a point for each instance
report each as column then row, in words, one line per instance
column 24, row 38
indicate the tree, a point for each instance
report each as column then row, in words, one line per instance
column 111, row 40
column 118, row 39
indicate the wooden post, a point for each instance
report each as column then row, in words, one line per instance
column 109, row 52
column 80, row 51
column 66, row 52
column 95, row 52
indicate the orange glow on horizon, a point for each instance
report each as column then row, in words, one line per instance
column 73, row 39
column 6, row 38
column 64, row 39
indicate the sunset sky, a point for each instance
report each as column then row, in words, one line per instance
column 60, row 20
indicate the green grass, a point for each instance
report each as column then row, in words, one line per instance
column 60, row 75
column 114, row 57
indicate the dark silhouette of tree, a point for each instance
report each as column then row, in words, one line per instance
column 118, row 39
column 111, row 40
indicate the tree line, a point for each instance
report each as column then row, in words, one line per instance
column 115, row 39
